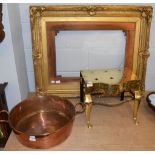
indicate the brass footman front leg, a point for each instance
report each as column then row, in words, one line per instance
column 88, row 102
column 136, row 105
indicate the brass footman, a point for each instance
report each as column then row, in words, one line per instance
column 92, row 82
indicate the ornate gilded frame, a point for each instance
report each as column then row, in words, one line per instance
column 41, row 16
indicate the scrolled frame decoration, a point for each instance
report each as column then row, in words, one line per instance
column 47, row 21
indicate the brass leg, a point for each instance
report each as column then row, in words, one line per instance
column 136, row 105
column 88, row 102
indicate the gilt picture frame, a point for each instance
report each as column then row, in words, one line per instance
column 47, row 21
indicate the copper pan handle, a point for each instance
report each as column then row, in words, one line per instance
column 82, row 108
column 4, row 121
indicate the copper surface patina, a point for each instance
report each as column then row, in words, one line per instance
column 42, row 121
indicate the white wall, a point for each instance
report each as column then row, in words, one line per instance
column 94, row 53
column 9, row 49
column 18, row 47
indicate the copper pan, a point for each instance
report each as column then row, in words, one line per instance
column 42, row 121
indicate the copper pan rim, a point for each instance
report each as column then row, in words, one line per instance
column 20, row 132
column 42, row 121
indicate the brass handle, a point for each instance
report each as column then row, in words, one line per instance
column 4, row 111
column 4, row 121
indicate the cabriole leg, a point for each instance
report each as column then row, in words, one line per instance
column 136, row 105
column 88, row 102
